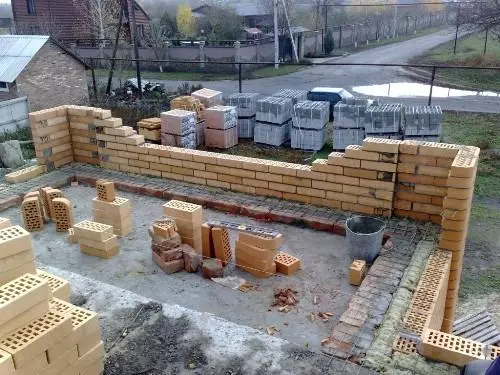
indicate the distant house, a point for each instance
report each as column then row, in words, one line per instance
column 40, row 68
column 253, row 14
column 6, row 24
column 62, row 18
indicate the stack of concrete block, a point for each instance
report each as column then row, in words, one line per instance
column 423, row 123
column 150, row 129
column 221, row 129
column 16, row 253
column 246, row 104
column 274, row 119
column 297, row 96
column 51, row 137
column 63, row 214
column 115, row 143
column 178, row 128
column 357, row 272
column 361, row 179
column 188, row 218
column 83, row 132
column 384, row 121
column 310, row 120
column 45, row 335
column 208, row 98
column 349, row 123
column 256, row 254
column 360, row 101
column 32, row 214
column 96, row 239
column 109, row 209
column 25, row 174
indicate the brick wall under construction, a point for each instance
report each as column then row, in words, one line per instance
column 421, row 180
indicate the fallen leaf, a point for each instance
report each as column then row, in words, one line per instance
column 329, row 314
column 325, row 341
column 312, row 316
column 315, row 300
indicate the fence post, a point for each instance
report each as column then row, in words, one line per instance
column 486, row 40
column 94, row 82
column 202, row 54
column 432, row 84
column 240, row 83
column 456, row 31
column 237, row 57
column 340, row 37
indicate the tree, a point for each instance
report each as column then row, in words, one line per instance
column 100, row 17
column 481, row 16
column 185, row 21
column 168, row 25
column 289, row 6
column 329, row 42
column 221, row 24
column 156, row 38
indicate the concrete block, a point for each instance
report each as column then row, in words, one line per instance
column 286, row 263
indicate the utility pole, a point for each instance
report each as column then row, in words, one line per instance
column 115, row 49
column 395, row 22
column 456, row 31
column 326, row 18
column 276, row 36
column 136, row 50
column 292, row 39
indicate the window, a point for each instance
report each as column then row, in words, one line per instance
column 31, row 6
column 4, row 87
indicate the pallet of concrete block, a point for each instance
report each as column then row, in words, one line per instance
column 361, row 101
column 385, row 118
column 349, row 116
column 178, row 128
column 246, row 126
column 189, row 103
column 51, row 137
column 25, row 174
column 84, row 133
column 395, row 136
column 246, row 103
column 311, row 115
column 272, row 134
column 308, row 139
column 208, row 98
column 274, row 110
column 150, row 129
column 296, row 95
column 221, row 127
column 342, row 138
column 422, row 121
column 96, row 239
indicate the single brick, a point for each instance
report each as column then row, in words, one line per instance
column 357, row 272
column 93, row 231
column 212, row 268
column 63, row 214
column 5, row 223
column 286, row 263
column 165, row 228
column 32, row 214
column 192, row 259
column 105, row 254
column 168, row 267
column 261, row 241
column 222, row 245
column 182, row 210
column 381, row 145
column 72, row 238
column 52, row 194
column 105, row 190
column 167, row 255
column 441, row 150
column 340, row 159
column 378, row 166
column 60, row 288
column 208, row 250
column 105, row 245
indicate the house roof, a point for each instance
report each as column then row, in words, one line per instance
column 16, row 52
column 241, row 9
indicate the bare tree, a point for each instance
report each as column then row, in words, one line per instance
column 156, row 39
column 100, row 17
column 481, row 15
column 46, row 25
column 289, row 6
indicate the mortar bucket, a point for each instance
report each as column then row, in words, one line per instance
column 364, row 237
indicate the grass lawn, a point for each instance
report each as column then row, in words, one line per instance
column 470, row 52
column 483, row 131
column 264, row 72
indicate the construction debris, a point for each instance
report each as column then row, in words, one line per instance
column 285, row 297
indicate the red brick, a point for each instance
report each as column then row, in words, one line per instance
column 192, row 260
column 212, row 268
column 168, row 267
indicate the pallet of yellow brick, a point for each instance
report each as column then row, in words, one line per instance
column 25, row 174
column 63, row 214
column 32, row 214
column 60, row 288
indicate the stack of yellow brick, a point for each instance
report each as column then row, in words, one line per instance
column 83, row 132
column 25, row 174
column 118, row 144
column 41, row 334
column 455, row 221
column 16, row 252
column 150, row 129
column 96, row 239
column 257, row 254
column 188, row 218
column 422, row 178
column 109, row 209
column 51, row 136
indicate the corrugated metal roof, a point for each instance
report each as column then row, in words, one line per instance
column 16, row 51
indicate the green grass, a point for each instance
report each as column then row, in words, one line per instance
column 470, row 52
column 480, row 282
column 265, row 72
column 481, row 130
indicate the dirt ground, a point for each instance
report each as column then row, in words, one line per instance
column 324, row 274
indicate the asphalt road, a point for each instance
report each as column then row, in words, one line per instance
column 352, row 76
